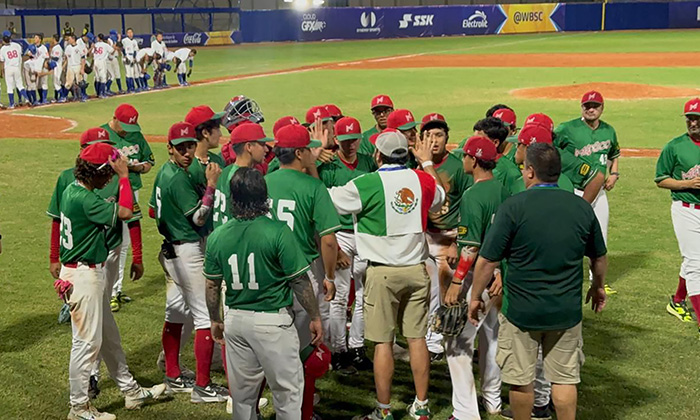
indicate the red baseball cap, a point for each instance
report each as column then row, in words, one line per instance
column 283, row 122
column 401, row 119
column 334, row 111
column 506, row 115
column 128, row 117
column 95, row 135
column 99, row 153
column 348, row 128
column 382, row 100
column 542, row 120
column 433, row 119
column 534, row 134
column 201, row 114
column 181, row 132
column 592, row 96
column 245, row 133
column 481, row 147
column 373, row 138
column 317, row 112
column 692, row 107
column 295, row 136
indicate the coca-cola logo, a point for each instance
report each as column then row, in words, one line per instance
column 193, row 39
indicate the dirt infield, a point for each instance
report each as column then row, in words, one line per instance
column 610, row 90
column 684, row 59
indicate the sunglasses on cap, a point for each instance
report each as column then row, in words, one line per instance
column 115, row 155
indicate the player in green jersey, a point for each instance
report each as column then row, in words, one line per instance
column 179, row 211
column 678, row 170
column 595, row 141
column 248, row 143
column 442, row 225
column 207, row 126
column 304, row 203
column 83, row 251
column 348, row 164
column 507, row 116
column 381, row 107
column 125, row 132
column 263, row 266
column 505, row 171
column 477, row 208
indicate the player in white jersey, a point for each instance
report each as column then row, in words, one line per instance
column 56, row 55
column 114, row 72
column 130, row 47
column 74, row 64
column 11, row 59
column 144, row 57
column 100, row 53
column 42, row 54
column 179, row 58
column 158, row 46
column 85, row 44
column 29, row 72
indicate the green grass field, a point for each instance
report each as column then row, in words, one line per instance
column 640, row 362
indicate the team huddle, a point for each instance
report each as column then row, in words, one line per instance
column 289, row 252
column 69, row 61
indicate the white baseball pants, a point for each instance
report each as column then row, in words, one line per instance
column 686, row 224
column 182, row 68
column 113, row 70
column 339, row 305
column 263, row 345
column 440, row 272
column 100, row 67
column 57, row 72
column 126, row 242
column 301, row 319
column 29, row 77
column 13, row 79
column 601, row 208
column 43, row 82
column 131, row 70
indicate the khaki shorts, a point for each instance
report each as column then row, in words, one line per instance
column 396, row 297
column 517, row 354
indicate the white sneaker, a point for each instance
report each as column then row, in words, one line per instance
column 133, row 400
column 88, row 412
column 261, row 404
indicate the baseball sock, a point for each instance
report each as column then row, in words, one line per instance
column 119, row 84
column 695, row 300
column 44, row 94
column 203, row 352
column 171, row 347
column 681, row 291
column 56, row 94
column 109, row 86
column 307, row 401
column 165, row 82
column 11, row 96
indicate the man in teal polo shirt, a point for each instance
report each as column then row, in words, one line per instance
column 543, row 233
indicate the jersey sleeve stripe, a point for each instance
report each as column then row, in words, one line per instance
column 194, row 209
column 53, row 215
column 114, row 215
column 213, row 276
column 661, row 178
column 329, row 230
column 591, row 175
column 469, row 243
column 297, row 274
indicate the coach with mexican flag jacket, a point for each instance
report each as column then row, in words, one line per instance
column 390, row 208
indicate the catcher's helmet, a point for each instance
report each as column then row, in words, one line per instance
column 241, row 109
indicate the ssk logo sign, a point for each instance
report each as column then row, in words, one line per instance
column 415, row 20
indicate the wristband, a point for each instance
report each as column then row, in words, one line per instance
column 426, row 164
column 55, row 241
column 458, row 283
column 330, row 280
column 208, row 199
column 615, row 173
column 126, row 196
column 463, row 268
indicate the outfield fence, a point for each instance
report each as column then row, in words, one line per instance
column 232, row 25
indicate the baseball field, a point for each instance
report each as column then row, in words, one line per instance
column 641, row 363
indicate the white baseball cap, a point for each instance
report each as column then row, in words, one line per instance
column 393, row 144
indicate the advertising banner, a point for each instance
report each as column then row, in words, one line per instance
column 188, row 39
column 684, row 15
column 526, row 18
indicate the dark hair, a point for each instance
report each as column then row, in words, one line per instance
column 286, row 155
column 495, row 108
column 73, row 36
column 56, row 37
column 119, row 44
column 130, row 29
column 390, row 160
column 238, row 148
column 544, row 160
column 485, row 164
column 248, row 194
column 101, row 37
column 87, row 172
column 40, row 35
column 435, row 124
column 159, row 32
column 6, row 39
column 193, row 50
column 208, row 125
column 493, row 128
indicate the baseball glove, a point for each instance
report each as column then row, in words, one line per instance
column 450, row 320
column 88, row 68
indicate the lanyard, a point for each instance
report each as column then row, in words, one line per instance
column 552, row 185
column 391, row 168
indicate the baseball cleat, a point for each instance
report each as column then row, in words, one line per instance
column 93, row 389
column 133, row 400
column 342, row 363
column 212, row 393
column 88, row 412
column 262, row 403
column 377, row 414
column 360, row 359
column 679, row 310
column 609, row 290
column 114, row 303
column 418, row 411
column 184, row 370
column 179, row 385
column 538, row 413
column 123, row 298
column 436, row 357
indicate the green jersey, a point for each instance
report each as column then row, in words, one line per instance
column 543, row 233
column 273, row 166
column 680, row 159
column 456, row 182
column 510, row 154
column 175, row 200
column 84, row 216
column 222, row 196
column 477, row 209
column 197, row 170
column 595, row 147
column 136, row 149
column 366, row 147
column 257, row 259
column 303, row 202
column 337, row 173
column 110, row 193
column 507, row 173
